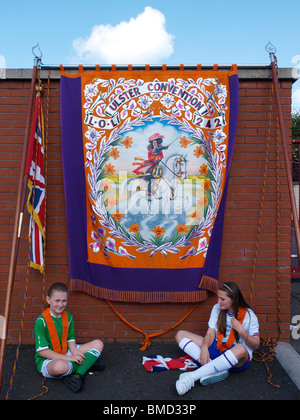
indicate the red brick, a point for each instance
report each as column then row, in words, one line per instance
column 94, row 317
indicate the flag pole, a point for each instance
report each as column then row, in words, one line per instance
column 22, row 187
column 272, row 50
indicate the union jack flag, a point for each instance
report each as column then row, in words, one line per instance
column 157, row 363
column 36, row 188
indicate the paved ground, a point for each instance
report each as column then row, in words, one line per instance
column 125, row 380
column 295, row 314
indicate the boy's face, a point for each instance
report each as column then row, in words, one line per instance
column 58, row 302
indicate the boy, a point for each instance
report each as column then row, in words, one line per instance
column 57, row 354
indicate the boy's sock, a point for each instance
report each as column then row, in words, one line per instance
column 91, row 357
column 98, row 366
column 224, row 362
column 190, row 348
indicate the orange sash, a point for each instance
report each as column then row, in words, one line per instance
column 225, row 346
column 53, row 333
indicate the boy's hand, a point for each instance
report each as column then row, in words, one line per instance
column 77, row 358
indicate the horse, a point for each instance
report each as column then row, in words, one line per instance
column 159, row 183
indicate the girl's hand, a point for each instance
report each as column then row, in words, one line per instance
column 237, row 326
column 204, row 356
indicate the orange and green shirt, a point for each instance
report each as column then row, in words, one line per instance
column 43, row 335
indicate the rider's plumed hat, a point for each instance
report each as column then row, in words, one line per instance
column 156, row 136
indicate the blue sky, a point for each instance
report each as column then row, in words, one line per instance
column 154, row 32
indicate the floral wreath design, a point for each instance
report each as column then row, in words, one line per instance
column 99, row 168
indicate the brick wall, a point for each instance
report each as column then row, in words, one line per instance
column 94, row 317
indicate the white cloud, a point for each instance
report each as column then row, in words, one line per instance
column 142, row 40
column 296, row 99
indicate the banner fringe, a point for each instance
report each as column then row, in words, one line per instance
column 209, row 283
column 135, row 296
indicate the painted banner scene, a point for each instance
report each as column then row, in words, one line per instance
column 146, row 156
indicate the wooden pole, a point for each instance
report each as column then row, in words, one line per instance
column 285, row 153
column 17, row 226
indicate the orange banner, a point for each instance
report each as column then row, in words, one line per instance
column 156, row 151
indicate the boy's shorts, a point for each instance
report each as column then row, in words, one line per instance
column 214, row 353
column 44, row 370
column 45, row 373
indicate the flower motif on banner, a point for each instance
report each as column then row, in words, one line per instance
column 165, row 200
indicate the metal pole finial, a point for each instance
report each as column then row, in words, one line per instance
column 37, row 52
column 271, row 50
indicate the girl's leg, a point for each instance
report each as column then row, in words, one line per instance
column 190, row 343
column 241, row 353
column 219, row 367
column 197, row 339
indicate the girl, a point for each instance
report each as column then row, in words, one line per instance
column 231, row 338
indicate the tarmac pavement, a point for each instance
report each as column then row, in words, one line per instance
column 295, row 315
column 126, row 382
column 125, row 379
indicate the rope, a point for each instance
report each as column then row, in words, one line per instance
column 267, row 356
column 277, row 234
column 46, row 127
column 260, row 355
column 46, row 176
column 42, row 393
column 261, row 207
column 45, row 137
column 146, row 342
column 21, row 330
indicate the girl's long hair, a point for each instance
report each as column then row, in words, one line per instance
column 232, row 290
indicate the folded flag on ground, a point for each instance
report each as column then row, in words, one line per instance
column 157, row 363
